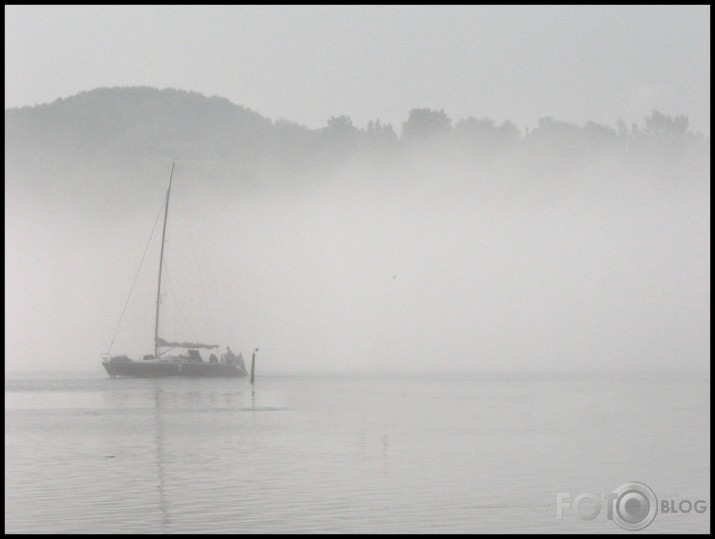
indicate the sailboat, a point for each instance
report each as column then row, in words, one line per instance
column 172, row 359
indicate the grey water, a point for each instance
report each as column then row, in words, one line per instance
column 338, row 453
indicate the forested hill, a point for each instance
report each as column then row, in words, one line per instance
column 124, row 129
column 133, row 123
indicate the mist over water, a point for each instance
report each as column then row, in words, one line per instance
column 348, row 453
column 419, row 264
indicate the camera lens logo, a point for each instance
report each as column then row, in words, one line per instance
column 634, row 506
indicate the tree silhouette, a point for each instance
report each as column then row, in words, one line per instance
column 425, row 124
column 340, row 137
column 658, row 124
column 484, row 133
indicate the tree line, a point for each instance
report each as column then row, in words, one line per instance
column 147, row 123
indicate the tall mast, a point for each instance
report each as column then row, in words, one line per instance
column 161, row 260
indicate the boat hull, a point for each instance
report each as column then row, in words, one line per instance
column 149, row 369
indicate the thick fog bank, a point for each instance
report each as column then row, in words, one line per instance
column 417, row 264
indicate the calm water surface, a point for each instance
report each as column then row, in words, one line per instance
column 89, row 454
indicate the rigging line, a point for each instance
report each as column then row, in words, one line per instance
column 173, row 295
column 193, row 234
column 189, row 324
column 192, row 237
column 131, row 290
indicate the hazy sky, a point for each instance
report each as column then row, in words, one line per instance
column 308, row 63
column 427, row 263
